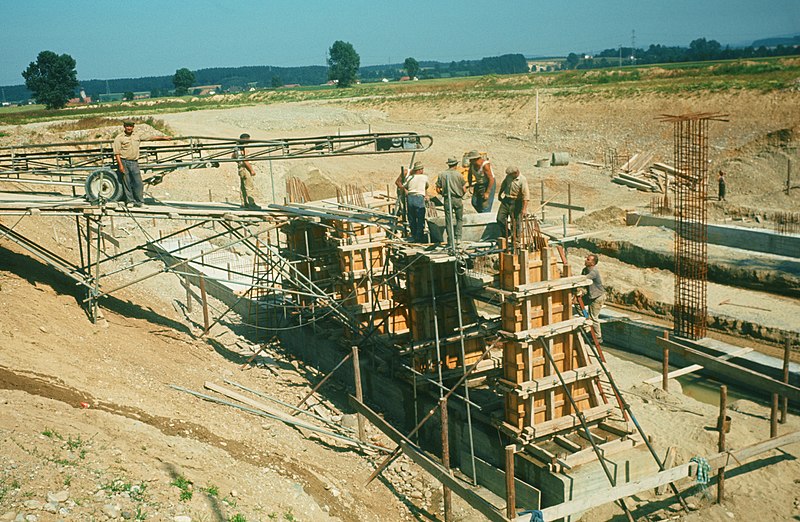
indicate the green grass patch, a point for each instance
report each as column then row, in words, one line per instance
column 185, row 485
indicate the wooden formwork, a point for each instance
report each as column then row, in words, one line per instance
column 434, row 314
column 362, row 257
column 359, row 232
column 536, row 316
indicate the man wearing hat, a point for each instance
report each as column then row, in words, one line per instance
column 481, row 178
column 414, row 188
column 514, row 196
column 126, row 152
column 450, row 184
column 246, row 174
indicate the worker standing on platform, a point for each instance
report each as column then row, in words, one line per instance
column 481, row 178
column 126, row 152
column 415, row 187
column 514, row 196
column 450, row 184
column 595, row 295
column 246, row 174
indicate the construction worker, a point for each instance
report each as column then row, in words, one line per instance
column 246, row 174
column 126, row 152
column 451, row 185
column 595, row 295
column 414, row 188
column 514, row 196
column 481, row 179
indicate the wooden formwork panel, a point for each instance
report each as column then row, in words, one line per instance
column 540, row 266
column 371, row 257
column 524, row 362
column 429, row 279
column 450, row 355
column 362, row 291
column 425, row 319
column 308, row 235
column 384, row 321
column 536, row 311
column 348, row 229
column 473, row 350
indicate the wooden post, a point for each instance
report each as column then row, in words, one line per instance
column 447, row 495
column 665, row 365
column 205, row 304
column 773, row 417
column 569, row 202
column 188, row 293
column 210, row 199
column 542, row 202
column 785, row 400
column 362, row 436
column 788, row 176
column 723, row 415
column 511, row 493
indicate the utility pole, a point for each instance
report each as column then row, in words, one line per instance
column 620, row 56
column 633, row 45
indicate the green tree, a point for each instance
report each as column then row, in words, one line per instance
column 52, row 79
column 183, row 79
column 411, row 66
column 276, row 82
column 343, row 63
column 572, row 60
column 128, row 96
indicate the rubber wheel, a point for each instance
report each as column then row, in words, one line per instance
column 103, row 185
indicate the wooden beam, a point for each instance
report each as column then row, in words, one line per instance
column 457, row 486
column 607, row 495
column 716, row 461
column 533, row 334
column 548, row 382
column 696, row 367
column 733, row 372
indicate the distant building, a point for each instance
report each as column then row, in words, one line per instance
column 203, row 90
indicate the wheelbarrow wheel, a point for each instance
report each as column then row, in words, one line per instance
column 103, row 185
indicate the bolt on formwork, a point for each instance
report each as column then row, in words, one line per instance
column 690, row 134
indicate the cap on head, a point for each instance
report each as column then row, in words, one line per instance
column 128, row 123
column 452, row 162
column 511, row 170
column 473, row 154
column 244, row 136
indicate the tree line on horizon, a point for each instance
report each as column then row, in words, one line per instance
column 52, row 79
column 699, row 50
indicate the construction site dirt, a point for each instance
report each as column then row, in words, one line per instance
column 87, row 409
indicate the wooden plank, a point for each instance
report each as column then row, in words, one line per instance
column 696, row 367
column 548, row 382
column 607, row 449
column 546, row 286
column 607, row 495
column 459, row 487
column 545, row 331
column 739, row 456
column 732, row 371
column 665, row 477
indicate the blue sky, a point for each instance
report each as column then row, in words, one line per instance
column 124, row 39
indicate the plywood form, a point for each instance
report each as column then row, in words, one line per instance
column 534, row 316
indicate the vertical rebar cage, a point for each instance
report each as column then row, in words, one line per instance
column 690, row 134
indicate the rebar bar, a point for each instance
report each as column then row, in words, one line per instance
column 690, row 135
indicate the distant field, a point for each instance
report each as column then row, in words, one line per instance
column 762, row 74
